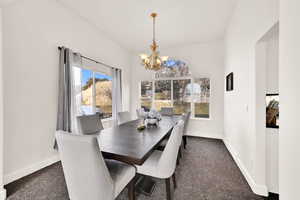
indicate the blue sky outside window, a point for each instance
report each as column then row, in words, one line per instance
column 88, row 74
column 102, row 76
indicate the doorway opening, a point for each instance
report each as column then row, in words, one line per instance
column 267, row 107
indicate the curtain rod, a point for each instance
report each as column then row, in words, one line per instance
column 87, row 58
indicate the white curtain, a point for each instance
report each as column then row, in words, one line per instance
column 116, row 94
column 64, row 92
column 76, row 65
column 66, row 102
column 69, row 89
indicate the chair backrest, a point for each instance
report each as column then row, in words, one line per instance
column 89, row 124
column 166, row 111
column 168, row 159
column 186, row 122
column 85, row 171
column 181, row 131
column 140, row 113
column 124, row 117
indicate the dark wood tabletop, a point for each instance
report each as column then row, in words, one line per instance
column 125, row 143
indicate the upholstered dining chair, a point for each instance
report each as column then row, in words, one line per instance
column 186, row 123
column 124, row 117
column 162, row 164
column 166, row 111
column 87, row 174
column 89, row 124
column 165, row 141
column 140, row 113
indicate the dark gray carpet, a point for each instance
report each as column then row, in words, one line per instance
column 206, row 172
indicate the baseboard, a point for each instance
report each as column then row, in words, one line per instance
column 206, row 135
column 273, row 191
column 256, row 188
column 30, row 169
column 2, row 194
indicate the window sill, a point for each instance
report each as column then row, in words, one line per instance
column 201, row 119
column 107, row 119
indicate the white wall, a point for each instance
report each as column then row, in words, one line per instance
column 2, row 191
column 33, row 29
column 204, row 60
column 289, row 137
column 272, row 84
column 272, row 157
column 250, row 21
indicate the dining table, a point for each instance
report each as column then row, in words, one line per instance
column 127, row 144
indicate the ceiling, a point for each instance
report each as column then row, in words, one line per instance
column 179, row 22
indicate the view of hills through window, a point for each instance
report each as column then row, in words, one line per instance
column 96, row 93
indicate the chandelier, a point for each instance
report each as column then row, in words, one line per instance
column 153, row 61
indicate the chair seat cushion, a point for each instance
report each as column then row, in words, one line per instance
column 120, row 173
column 150, row 166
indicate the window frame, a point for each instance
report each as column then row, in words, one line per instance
column 172, row 91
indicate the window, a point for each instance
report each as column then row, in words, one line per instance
column 146, row 94
column 96, row 93
column 183, row 94
column 162, row 94
column 87, row 91
column 201, row 93
column 173, row 68
column 103, row 94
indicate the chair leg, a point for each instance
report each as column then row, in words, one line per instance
column 179, row 155
column 131, row 190
column 174, row 180
column 184, row 141
column 168, row 188
column 180, row 152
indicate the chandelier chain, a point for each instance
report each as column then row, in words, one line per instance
column 153, row 29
